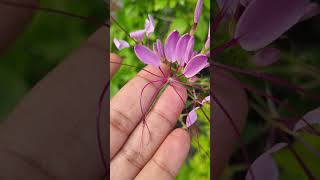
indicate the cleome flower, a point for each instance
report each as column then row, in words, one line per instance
column 177, row 52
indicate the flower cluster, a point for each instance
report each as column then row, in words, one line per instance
column 177, row 51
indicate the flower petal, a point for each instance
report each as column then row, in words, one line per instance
column 189, row 50
column 195, row 65
column 120, row 44
column 147, row 56
column 267, row 56
column 206, row 100
column 149, row 25
column 160, row 50
column 192, row 117
column 170, row 45
column 264, row 167
column 181, row 49
column 197, row 11
column 264, row 21
column 138, row 35
column 312, row 117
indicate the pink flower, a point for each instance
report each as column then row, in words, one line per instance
column 197, row 11
column 176, row 49
column 138, row 35
column 192, row 117
column 120, row 44
column 149, row 26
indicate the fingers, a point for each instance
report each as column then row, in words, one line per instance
column 168, row 159
column 56, row 120
column 125, row 106
column 114, row 64
column 146, row 138
column 234, row 100
column 13, row 19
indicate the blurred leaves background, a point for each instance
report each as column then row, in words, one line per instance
column 299, row 64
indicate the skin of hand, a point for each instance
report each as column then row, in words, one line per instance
column 51, row 134
column 140, row 153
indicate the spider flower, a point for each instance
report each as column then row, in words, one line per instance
column 176, row 49
column 120, row 44
column 148, row 30
column 197, row 11
column 192, row 115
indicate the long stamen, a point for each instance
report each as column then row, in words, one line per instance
column 136, row 68
column 119, row 25
column 98, row 116
column 183, row 101
column 144, row 114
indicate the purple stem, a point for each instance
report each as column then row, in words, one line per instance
column 98, row 115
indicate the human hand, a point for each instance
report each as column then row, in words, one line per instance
column 151, row 150
column 51, row 134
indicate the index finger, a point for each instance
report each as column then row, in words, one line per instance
column 127, row 105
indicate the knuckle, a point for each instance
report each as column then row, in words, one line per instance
column 163, row 167
column 120, row 121
column 134, row 157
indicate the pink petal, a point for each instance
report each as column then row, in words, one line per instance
column 147, row 56
column 120, row 44
column 192, row 117
column 264, row 21
column 194, row 54
column 189, row 50
column 264, row 167
column 197, row 11
column 312, row 117
column 138, row 35
column 170, row 46
column 206, row 100
column 267, row 56
column 149, row 26
column 160, row 50
column 195, row 65
column 181, row 49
